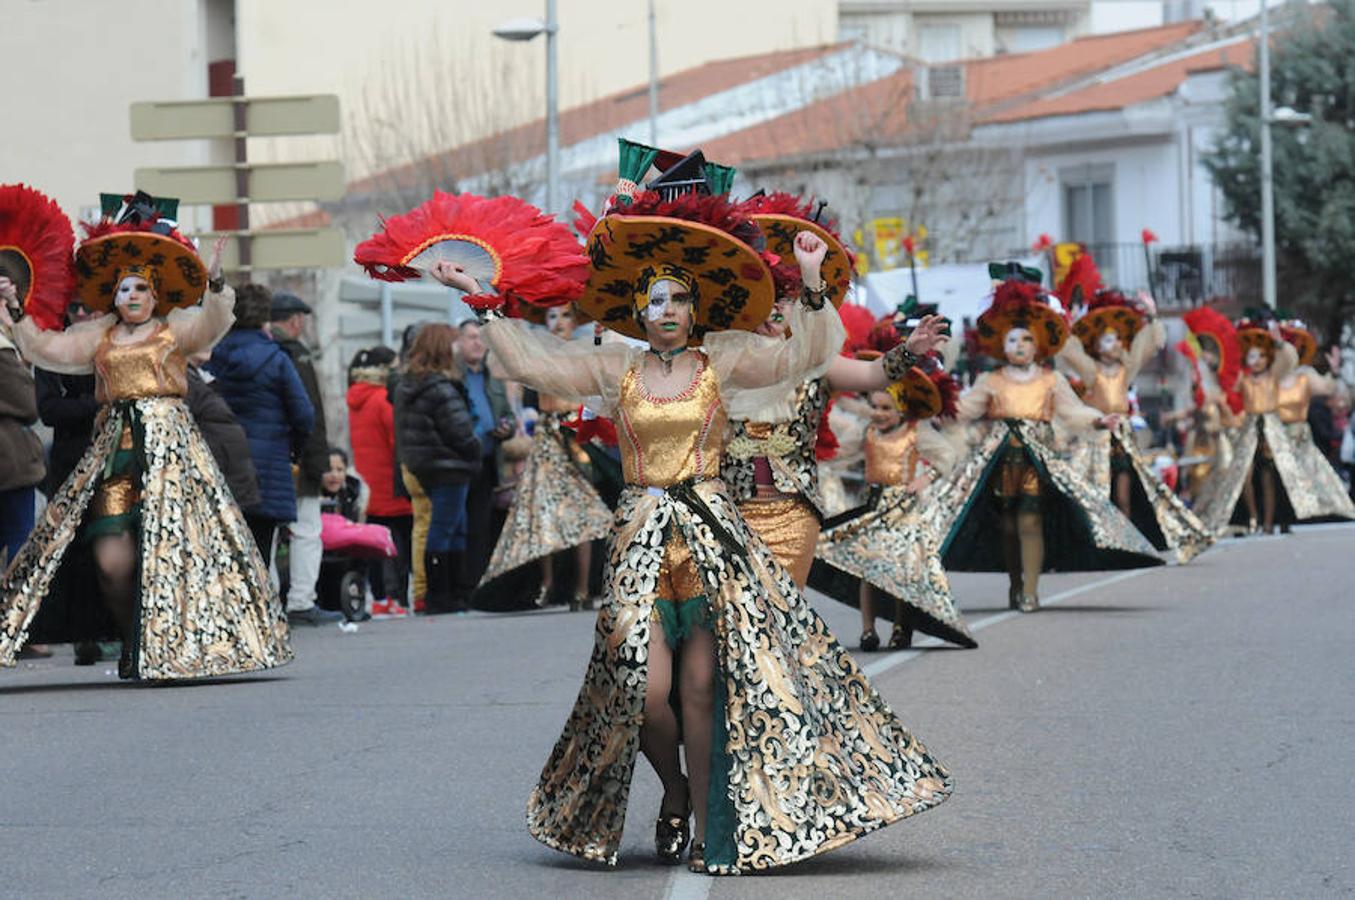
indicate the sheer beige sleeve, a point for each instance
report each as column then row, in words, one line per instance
column 200, row 327
column 1072, row 412
column 1321, row 385
column 1073, row 356
column 1150, row 339
column 68, row 352
column 756, row 371
column 1286, row 361
column 932, row 446
column 973, row 403
column 571, row 370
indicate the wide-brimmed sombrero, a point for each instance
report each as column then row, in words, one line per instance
column 36, row 241
column 1018, row 303
column 1108, row 310
column 1296, row 332
column 692, row 232
column 138, row 234
column 781, row 217
column 1250, row 334
column 925, row 392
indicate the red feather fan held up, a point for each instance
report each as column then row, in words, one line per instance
column 36, row 245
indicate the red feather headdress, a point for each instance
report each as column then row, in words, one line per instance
column 36, row 243
column 514, row 250
column 1205, row 322
column 1082, row 280
column 858, row 321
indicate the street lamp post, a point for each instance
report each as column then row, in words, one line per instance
column 1267, row 185
column 653, row 77
column 526, row 30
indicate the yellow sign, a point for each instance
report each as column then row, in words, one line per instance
column 887, row 235
column 1064, row 254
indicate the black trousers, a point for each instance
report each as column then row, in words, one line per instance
column 481, row 531
column 390, row 577
column 263, row 528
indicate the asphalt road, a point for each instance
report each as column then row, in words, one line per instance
column 1176, row 732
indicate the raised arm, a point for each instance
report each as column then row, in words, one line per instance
column 747, row 361
column 1077, row 415
column 200, row 327
column 1073, row 356
column 572, row 370
column 865, row 376
column 973, row 403
column 68, row 352
column 1286, row 360
column 1151, row 338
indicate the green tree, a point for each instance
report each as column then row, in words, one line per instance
column 1313, row 72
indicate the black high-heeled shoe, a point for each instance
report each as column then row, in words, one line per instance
column 671, row 834
column 901, row 638
column 870, row 641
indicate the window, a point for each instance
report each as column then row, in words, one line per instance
column 1030, row 38
column 1089, row 212
column 938, row 43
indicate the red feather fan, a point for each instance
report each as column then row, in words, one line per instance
column 508, row 245
column 36, row 237
column 584, row 220
column 1082, row 277
column 1211, row 322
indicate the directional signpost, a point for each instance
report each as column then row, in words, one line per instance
column 242, row 182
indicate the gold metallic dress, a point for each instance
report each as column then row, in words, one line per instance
column 885, row 543
column 1154, row 508
column 204, row 603
column 1012, row 461
column 555, row 507
column 1306, row 488
column 807, row 755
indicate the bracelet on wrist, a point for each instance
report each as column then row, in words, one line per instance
column 898, row 361
column 814, row 298
column 216, row 285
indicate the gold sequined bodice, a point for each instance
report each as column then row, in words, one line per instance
column 1110, row 391
column 665, row 440
column 1011, row 399
column 154, row 367
column 891, row 456
column 1293, row 400
column 1260, row 393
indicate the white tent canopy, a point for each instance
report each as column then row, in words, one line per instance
column 960, row 289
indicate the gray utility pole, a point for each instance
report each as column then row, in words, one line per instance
column 552, row 113
column 653, row 77
column 1267, row 169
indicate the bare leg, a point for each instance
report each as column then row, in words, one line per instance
column 1268, row 499
column 867, row 607
column 659, row 733
column 697, row 691
column 547, row 573
column 1249, row 496
column 1122, row 492
column 1030, row 526
column 1011, row 552
column 115, row 558
column 583, row 559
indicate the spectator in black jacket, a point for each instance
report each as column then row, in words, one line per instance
column 224, row 435
column 439, row 448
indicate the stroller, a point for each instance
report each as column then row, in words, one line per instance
column 349, row 548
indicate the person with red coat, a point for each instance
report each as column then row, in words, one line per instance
column 371, row 427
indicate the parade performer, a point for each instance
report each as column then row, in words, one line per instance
column 789, row 750
column 555, row 505
column 1265, row 458
column 1296, row 393
column 771, row 467
column 1013, row 504
column 883, row 546
column 1115, row 339
column 1215, row 364
column 177, row 565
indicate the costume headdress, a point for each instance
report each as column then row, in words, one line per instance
column 1020, row 302
column 516, row 253
column 36, row 241
column 781, row 216
column 696, row 239
column 1108, row 310
column 1081, row 283
column 1296, row 332
column 1253, row 330
column 138, row 235
column 928, row 390
column 1212, row 331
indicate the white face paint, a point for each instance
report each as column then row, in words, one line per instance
column 1109, row 345
column 661, row 293
column 1255, row 359
column 1019, row 345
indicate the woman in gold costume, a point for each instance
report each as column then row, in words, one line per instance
column 883, row 546
column 770, row 465
column 789, row 751
column 1266, row 482
column 1215, row 362
column 1296, row 393
column 177, row 565
column 555, row 506
column 1014, row 504
column 1115, row 339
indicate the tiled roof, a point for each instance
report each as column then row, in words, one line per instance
column 876, row 113
column 1138, row 87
